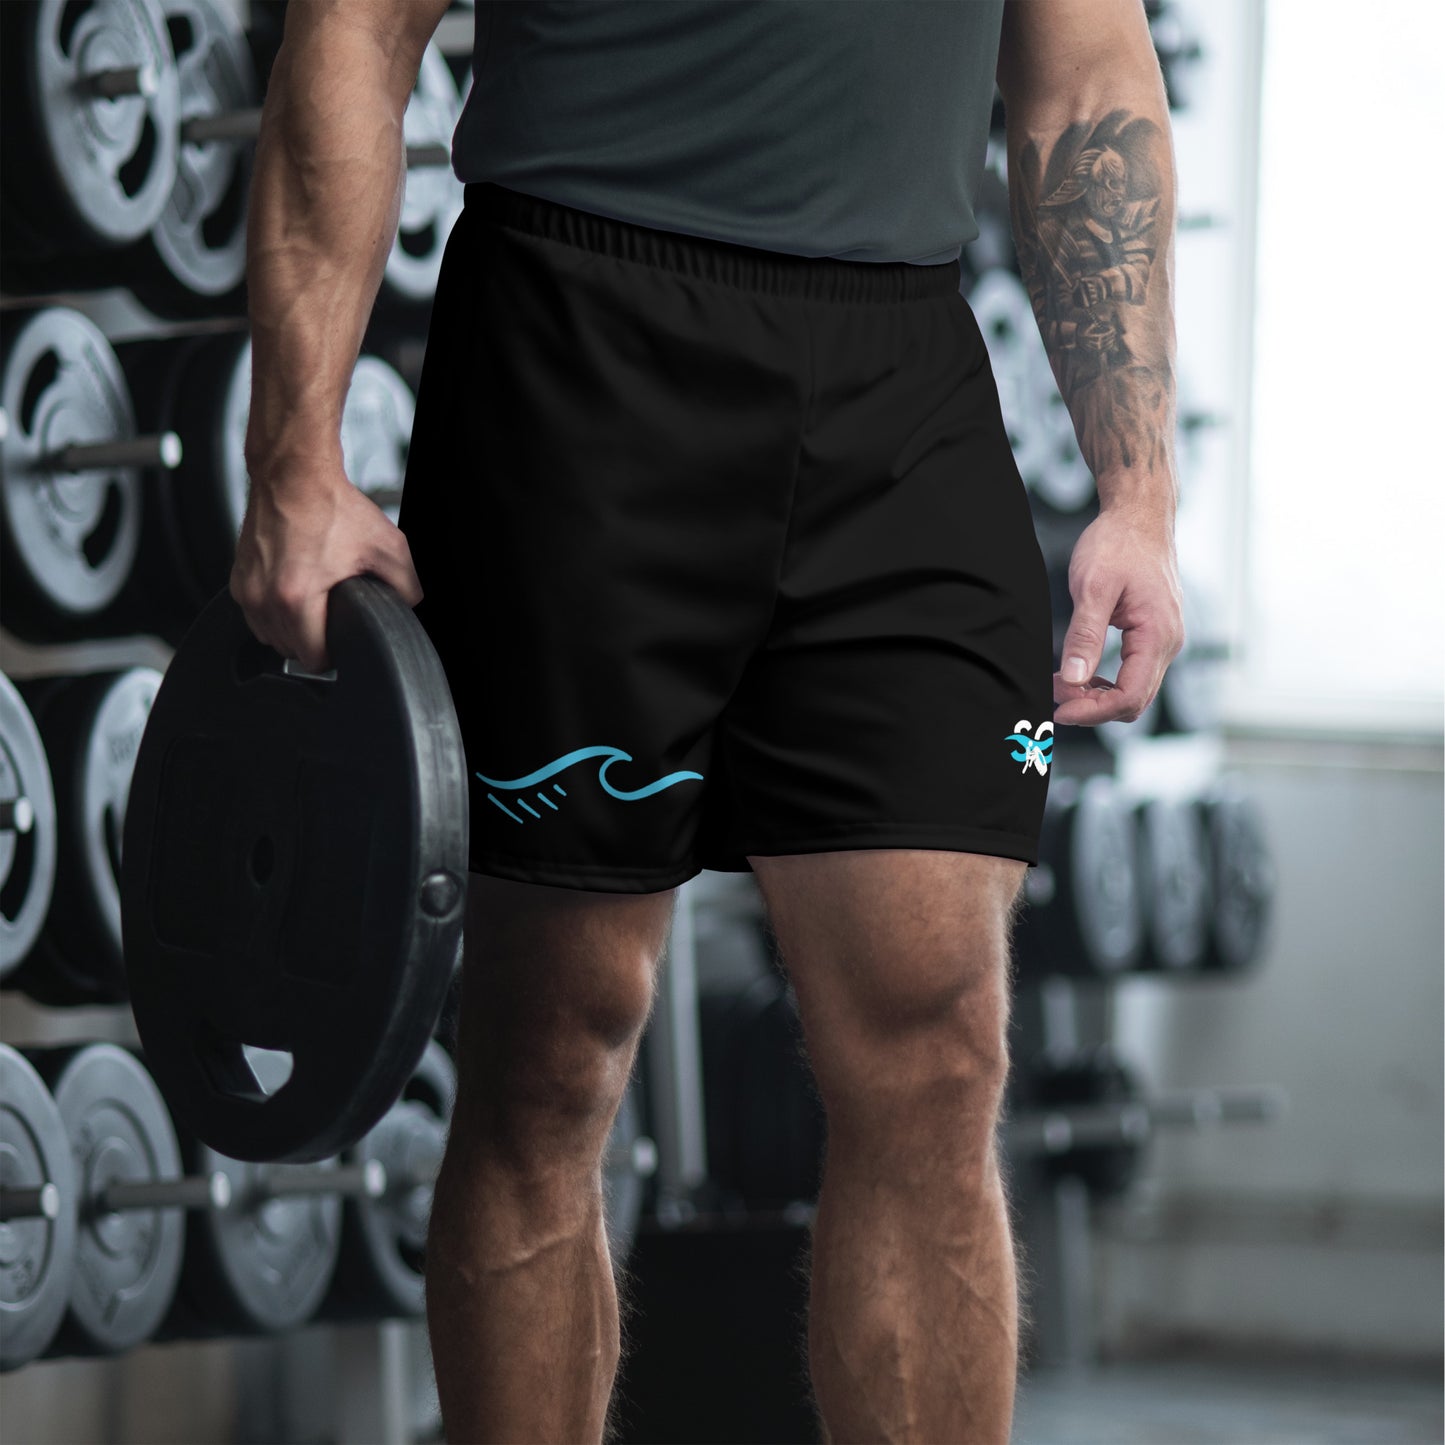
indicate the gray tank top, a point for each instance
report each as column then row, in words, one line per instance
column 853, row 129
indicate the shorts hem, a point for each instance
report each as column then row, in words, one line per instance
column 945, row 836
column 597, row 878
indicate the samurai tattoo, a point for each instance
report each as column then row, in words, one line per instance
column 1092, row 228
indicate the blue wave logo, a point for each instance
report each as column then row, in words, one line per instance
column 567, row 760
column 1035, row 749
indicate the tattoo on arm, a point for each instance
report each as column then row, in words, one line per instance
column 1093, row 222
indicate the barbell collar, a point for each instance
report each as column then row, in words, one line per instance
column 197, row 1191
column 17, row 815
column 39, row 1202
column 160, row 449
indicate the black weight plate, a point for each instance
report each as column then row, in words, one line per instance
column 380, row 1272
column 1242, row 878
column 294, row 874
column 70, row 539
column 126, row 1264
column 37, row 1255
column 27, row 847
column 1173, row 885
column 93, row 171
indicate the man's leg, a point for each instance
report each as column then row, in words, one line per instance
column 522, row 1304
column 900, row 963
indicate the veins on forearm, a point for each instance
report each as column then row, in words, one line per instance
column 1092, row 224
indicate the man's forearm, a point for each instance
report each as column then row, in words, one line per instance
column 1091, row 190
column 325, row 202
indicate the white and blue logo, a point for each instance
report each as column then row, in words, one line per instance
column 1034, row 749
column 516, row 786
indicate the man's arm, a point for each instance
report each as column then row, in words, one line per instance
column 1091, row 190
column 326, row 196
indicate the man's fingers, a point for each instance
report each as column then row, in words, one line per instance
column 1084, row 642
column 309, row 633
column 1140, row 673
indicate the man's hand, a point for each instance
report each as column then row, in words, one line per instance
column 1124, row 574
column 296, row 543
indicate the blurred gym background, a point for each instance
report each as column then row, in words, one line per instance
column 1224, row 1131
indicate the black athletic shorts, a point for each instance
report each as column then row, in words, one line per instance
column 724, row 553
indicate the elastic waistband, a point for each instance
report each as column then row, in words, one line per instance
column 819, row 278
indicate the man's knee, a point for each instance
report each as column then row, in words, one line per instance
column 557, row 988
column 937, row 1058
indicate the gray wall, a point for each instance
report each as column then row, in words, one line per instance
column 1322, row 1229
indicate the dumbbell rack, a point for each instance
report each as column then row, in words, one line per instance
column 382, row 1365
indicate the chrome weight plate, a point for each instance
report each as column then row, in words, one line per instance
column 200, row 236
column 1105, row 883
column 27, row 830
column 93, row 728
column 71, row 537
column 1242, row 877
column 127, row 1262
column 1173, row 884
column 376, row 432
column 433, row 198
column 37, row 1243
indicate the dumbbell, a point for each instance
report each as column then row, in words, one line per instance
column 27, row 831
column 37, row 1212
column 126, row 1193
column 194, row 251
column 1100, row 1128
column 1173, row 885
column 88, row 123
column 70, row 477
column 265, row 1264
column 202, row 389
column 91, row 727
column 382, row 1254
column 134, row 141
column 1082, row 913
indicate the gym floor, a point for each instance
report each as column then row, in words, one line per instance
column 1232, row 1402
